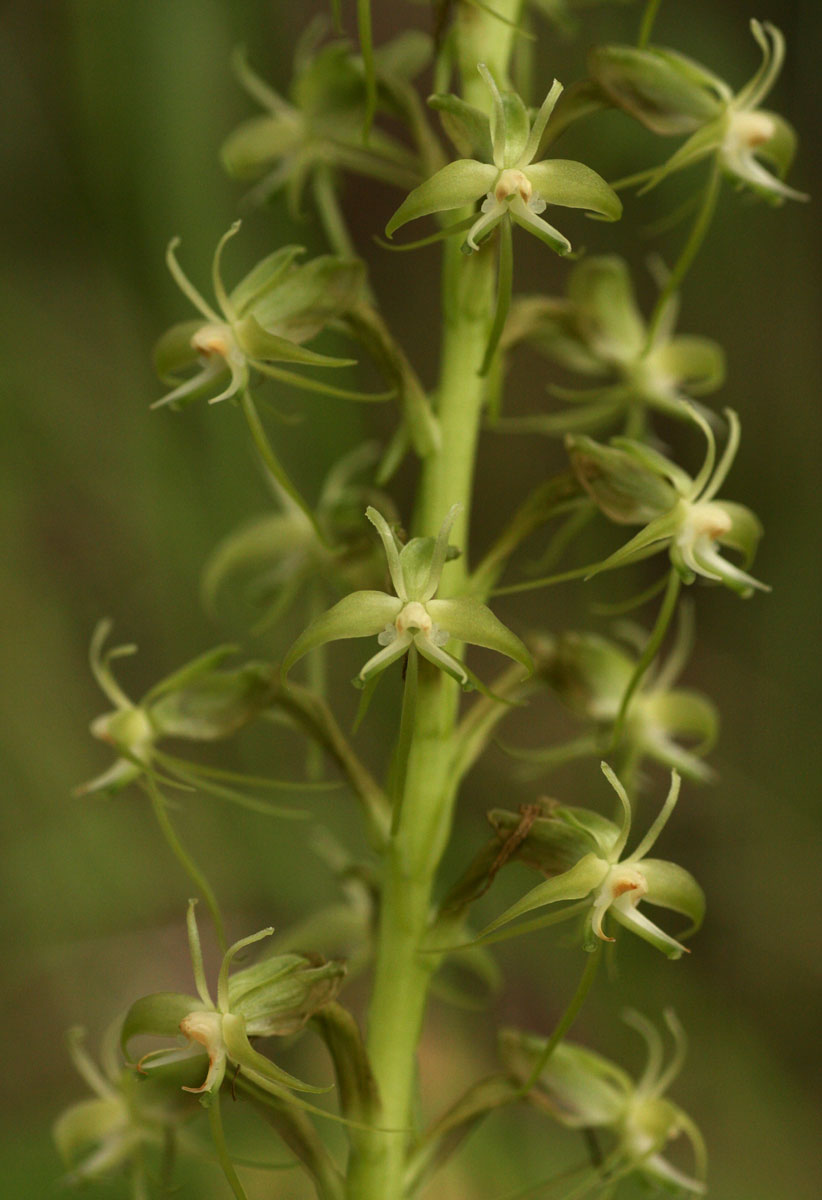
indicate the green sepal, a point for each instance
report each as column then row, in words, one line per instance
column 256, row 342
column 697, row 363
column 157, row 1015
column 360, row 614
column 656, row 462
column 517, row 128
column 466, row 126
column 665, row 91
column 671, row 886
column 213, row 707
column 88, row 1124
column 454, row 186
column 780, row 148
column 684, row 714
column 588, row 1091
column 745, row 532
column 310, row 296
column 256, row 142
column 588, row 672
column 601, row 287
column 260, row 1070
column 573, row 185
column 174, row 352
column 574, row 884
column 279, row 994
column 626, row 490
column 469, row 620
column 267, row 275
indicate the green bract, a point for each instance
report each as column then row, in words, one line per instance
column 515, row 187
column 634, row 484
column 264, row 320
column 321, row 125
column 671, row 94
column 276, row 996
column 583, row 1090
column 198, row 702
column 612, row 883
column 413, row 616
column 600, row 332
column 591, row 674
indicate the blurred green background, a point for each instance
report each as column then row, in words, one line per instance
column 115, row 110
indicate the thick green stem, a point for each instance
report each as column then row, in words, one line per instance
column 417, row 843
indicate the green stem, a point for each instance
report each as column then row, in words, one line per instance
column 184, row 859
column 666, row 612
column 699, row 229
column 402, row 973
column 567, row 1019
column 648, row 18
column 273, row 464
column 215, row 1121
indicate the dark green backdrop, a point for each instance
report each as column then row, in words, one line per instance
column 115, row 110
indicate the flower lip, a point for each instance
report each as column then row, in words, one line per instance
column 213, row 340
column 414, row 616
column 513, row 182
column 748, row 130
column 705, row 519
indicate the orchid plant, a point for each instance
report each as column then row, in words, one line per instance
column 317, row 566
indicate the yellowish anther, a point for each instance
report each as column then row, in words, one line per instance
column 211, row 340
column 748, row 130
column 414, row 616
column 512, row 182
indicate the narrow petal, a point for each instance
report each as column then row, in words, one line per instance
column 538, row 127
column 440, row 553
column 454, row 186
column 392, row 552
column 383, row 658
column 445, row 661
column 639, row 924
column 361, row 614
column 527, row 219
column 772, row 44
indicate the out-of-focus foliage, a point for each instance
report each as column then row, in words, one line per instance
column 114, row 118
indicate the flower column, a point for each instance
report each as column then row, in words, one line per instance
column 417, row 844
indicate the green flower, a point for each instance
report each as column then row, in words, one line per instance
column 275, row 997
column 612, row 882
column 514, row 186
column 671, row 94
column 264, row 320
column 634, row 484
column 583, row 1090
column 321, row 125
column 413, row 616
column 272, row 560
column 591, row 675
column 113, row 1131
column 600, row 332
column 198, row 702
